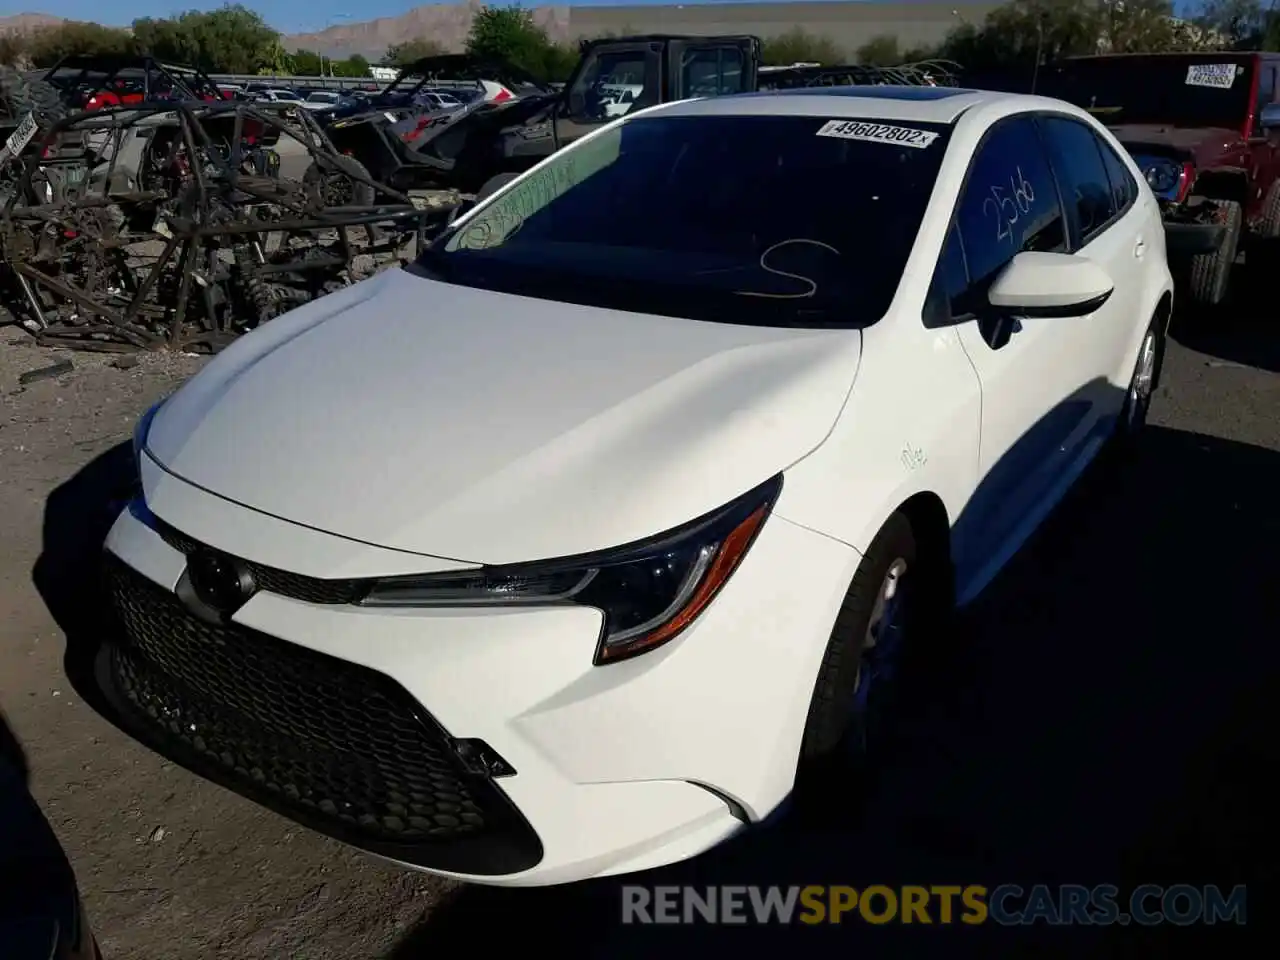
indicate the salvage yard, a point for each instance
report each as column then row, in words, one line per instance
column 1100, row 717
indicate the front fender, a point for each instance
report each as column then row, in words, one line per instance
column 911, row 425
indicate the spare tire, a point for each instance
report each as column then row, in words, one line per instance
column 21, row 96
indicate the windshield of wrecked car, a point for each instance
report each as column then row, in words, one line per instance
column 1171, row 91
column 801, row 221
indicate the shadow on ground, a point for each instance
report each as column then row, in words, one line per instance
column 1108, row 715
column 68, row 573
column 38, row 894
column 1246, row 328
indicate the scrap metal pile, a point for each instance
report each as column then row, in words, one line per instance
column 167, row 223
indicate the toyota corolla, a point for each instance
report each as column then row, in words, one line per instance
column 561, row 552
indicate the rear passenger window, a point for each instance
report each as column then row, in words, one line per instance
column 1124, row 189
column 1010, row 203
column 1077, row 161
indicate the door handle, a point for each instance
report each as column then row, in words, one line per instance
column 1140, row 248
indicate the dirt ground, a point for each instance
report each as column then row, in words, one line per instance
column 1109, row 716
column 170, row 867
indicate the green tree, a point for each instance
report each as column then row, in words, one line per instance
column 13, row 49
column 47, row 45
column 403, row 54
column 881, row 51
column 231, row 39
column 1235, row 24
column 1139, row 26
column 509, row 34
column 796, row 46
column 307, row 63
column 1014, row 35
column 354, row 66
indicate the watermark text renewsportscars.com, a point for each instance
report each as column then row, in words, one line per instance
column 1006, row 905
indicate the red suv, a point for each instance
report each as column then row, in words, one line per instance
column 1205, row 129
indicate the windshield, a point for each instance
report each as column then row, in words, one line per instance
column 796, row 221
column 1209, row 90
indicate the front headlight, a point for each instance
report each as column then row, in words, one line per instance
column 648, row 592
column 1162, row 175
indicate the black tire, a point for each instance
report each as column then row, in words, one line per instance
column 833, row 723
column 1211, row 272
column 327, row 178
column 1269, row 226
column 493, row 185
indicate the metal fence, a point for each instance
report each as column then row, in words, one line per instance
column 290, row 80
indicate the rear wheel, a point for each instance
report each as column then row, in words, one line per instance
column 1143, row 382
column 1211, row 272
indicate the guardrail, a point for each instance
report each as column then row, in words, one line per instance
column 293, row 80
column 325, row 83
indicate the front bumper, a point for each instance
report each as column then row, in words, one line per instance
column 350, row 719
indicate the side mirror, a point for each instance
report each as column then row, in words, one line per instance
column 1050, row 285
column 1269, row 119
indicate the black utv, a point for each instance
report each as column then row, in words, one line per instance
column 407, row 145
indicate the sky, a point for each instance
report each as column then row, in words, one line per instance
column 288, row 16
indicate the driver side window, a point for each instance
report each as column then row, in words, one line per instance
column 1010, row 202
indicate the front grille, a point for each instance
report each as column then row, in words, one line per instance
column 332, row 744
column 274, row 580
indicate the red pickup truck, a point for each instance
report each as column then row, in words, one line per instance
column 1205, row 129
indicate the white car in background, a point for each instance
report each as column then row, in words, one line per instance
column 561, row 553
column 322, row 100
column 275, row 95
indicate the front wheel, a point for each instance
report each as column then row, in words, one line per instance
column 857, row 684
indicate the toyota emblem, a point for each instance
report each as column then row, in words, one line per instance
column 219, row 581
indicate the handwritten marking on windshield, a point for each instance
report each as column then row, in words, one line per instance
column 764, row 265
column 1008, row 209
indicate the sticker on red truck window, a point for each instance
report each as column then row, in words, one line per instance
column 878, row 133
column 1220, row 76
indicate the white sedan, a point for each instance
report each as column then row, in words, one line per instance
column 567, row 551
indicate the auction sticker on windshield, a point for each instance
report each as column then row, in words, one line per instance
column 1217, row 75
column 878, row 133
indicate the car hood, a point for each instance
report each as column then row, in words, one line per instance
column 1199, row 144
column 491, row 428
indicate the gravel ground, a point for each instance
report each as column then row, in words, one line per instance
column 1103, row 721
column 170, row 867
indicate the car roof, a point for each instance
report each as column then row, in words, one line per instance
column 921, row 104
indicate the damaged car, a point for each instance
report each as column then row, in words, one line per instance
column 1205, row 128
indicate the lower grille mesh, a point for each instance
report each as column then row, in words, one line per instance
column 326, row 741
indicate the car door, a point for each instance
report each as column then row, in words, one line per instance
column 586, row 106
column 1027, row 370
column 1106, row 225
